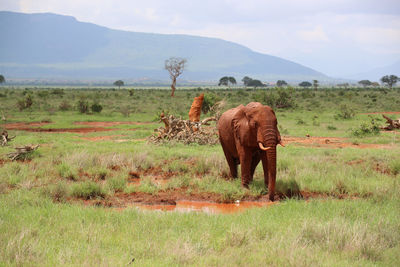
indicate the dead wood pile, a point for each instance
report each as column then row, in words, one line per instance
column 185, row 131
column 22, row 152
column 4, row 138
column 392, row 124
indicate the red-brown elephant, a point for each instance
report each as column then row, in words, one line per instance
column 249, row 134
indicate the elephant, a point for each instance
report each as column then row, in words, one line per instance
column 247, row 135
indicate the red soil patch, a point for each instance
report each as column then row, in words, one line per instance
column 34, row 127
column 109, row 123
column 179, row 199
column 384, row 112
column 328, row 142
column 23, row 125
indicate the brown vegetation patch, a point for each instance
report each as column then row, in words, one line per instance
column 381, row 168
column 109, row 123
column 329, row 142
column 355, row 162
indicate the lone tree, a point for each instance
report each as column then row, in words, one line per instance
column 315, row 84
column 365, row 83
column 119, row 83
column 255, row 83
column 305, row 84
column 390, row 80
column 281, row 83
column 175, row 67
column 227, row 81
column 2, row 79
column 246, row 80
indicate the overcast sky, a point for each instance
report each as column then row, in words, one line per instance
column 336, row 37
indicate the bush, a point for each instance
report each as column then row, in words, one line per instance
column 83, row 106
column 331, row 128
column 117, row 184
column 25, row 103
column 209, row 101
column 87, row 190
column 96, row 107
column 279, row 98
column 366, row 129
column 345, row 113
column 64, row 106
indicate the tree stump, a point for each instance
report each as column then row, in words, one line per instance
column 4, row 138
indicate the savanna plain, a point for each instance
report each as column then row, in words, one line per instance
column 96, row 192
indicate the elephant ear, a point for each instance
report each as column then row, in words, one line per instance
column 241, row 128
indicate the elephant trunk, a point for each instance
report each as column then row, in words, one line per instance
column 271, row 163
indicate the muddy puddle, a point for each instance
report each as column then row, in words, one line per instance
column 207, row 207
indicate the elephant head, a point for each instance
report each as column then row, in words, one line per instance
column 256, row 127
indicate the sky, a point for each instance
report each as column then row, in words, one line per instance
column 336, row 37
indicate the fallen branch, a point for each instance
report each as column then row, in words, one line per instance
column 4, row 138
column 22, row 152
column 392, row 124
column 184, row 131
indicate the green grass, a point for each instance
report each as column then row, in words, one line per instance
column 40, row 225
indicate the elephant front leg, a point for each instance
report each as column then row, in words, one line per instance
column 269, row 166
column 254, row 162
column 245, row 167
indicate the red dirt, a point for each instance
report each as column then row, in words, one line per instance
column 34, row 127
column 23, row 125
column 328, row 142
column 109, row 123
column 384, row 112
column 179, row 199
column 208, row 207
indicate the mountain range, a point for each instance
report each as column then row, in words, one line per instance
column 51, row 46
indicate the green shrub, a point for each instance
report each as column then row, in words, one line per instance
column 331, row 128
column 87, row 190
column 64, row 106
column 345, row 113
column 366, row 129
column 209, row 101
column 96, row 107
column 83, row 106
column 117, row 184
column 67, row 172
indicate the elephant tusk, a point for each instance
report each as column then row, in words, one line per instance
column 263, row 148
column 281, row 143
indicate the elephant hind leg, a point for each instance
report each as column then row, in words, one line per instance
column 232, row 162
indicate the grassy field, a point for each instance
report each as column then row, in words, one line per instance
column 71, row 202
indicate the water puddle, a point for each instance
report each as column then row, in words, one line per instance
column 207, row 207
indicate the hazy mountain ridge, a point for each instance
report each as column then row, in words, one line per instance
column 49, row 45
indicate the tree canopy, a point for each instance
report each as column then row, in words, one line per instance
column 247, row 81
column 365, row 83
column 2, row 79
column 305, row 84
column 390, row 80
column 175, row 67
column 281, row 83
column 119, row 83
column 227, row 81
